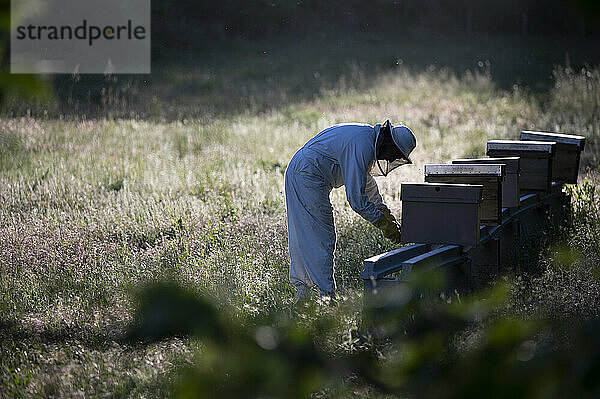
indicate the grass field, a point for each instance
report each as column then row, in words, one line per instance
column 94, row 209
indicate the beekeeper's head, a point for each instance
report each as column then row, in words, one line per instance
column 393, row 145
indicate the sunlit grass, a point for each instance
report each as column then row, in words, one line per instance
column 91, row 210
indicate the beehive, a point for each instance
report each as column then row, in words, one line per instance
column 535, row 161
column 565, row 166
column 510, row 185
column 489, row 176
column 441, row 213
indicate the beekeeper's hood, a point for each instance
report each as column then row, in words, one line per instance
column 393, row 145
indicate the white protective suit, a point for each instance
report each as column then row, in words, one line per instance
column 339, row 155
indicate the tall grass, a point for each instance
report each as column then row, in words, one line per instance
column 575, row 106
column 92, row 210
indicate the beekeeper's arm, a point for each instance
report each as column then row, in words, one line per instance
column 372, row 192
column 354, row 163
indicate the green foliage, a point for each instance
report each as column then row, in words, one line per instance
column 276, row 356
column 164, row 311
column 12, row 151
column 578, row 91
column 584, row 199
column 575, row 107
column 584, row 242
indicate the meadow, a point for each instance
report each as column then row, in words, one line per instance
column 180, row 179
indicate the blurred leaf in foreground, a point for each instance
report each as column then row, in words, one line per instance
column 166, row 310
column 417, row 352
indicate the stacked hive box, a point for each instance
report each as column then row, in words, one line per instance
column 510, row 185
column 535, row 161
column 488, row 176
column 565, row 167
column 441, row 213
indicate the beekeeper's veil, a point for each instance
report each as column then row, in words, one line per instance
column 393, row 145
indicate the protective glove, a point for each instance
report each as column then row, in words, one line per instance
column 389, row 213
column 388, row 225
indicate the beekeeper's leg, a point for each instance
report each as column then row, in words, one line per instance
column 311, row 233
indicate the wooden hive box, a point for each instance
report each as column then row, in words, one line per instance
column 535, row 161
column 510, row 185
column 565, row 166
column 440, row 213
column 489, row 176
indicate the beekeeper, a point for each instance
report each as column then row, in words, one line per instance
column 346, row 154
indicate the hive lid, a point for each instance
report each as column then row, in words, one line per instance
column 512, row 163
column 579, row 141
column 466, row 169
column 441, row 192
column 518, row 145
